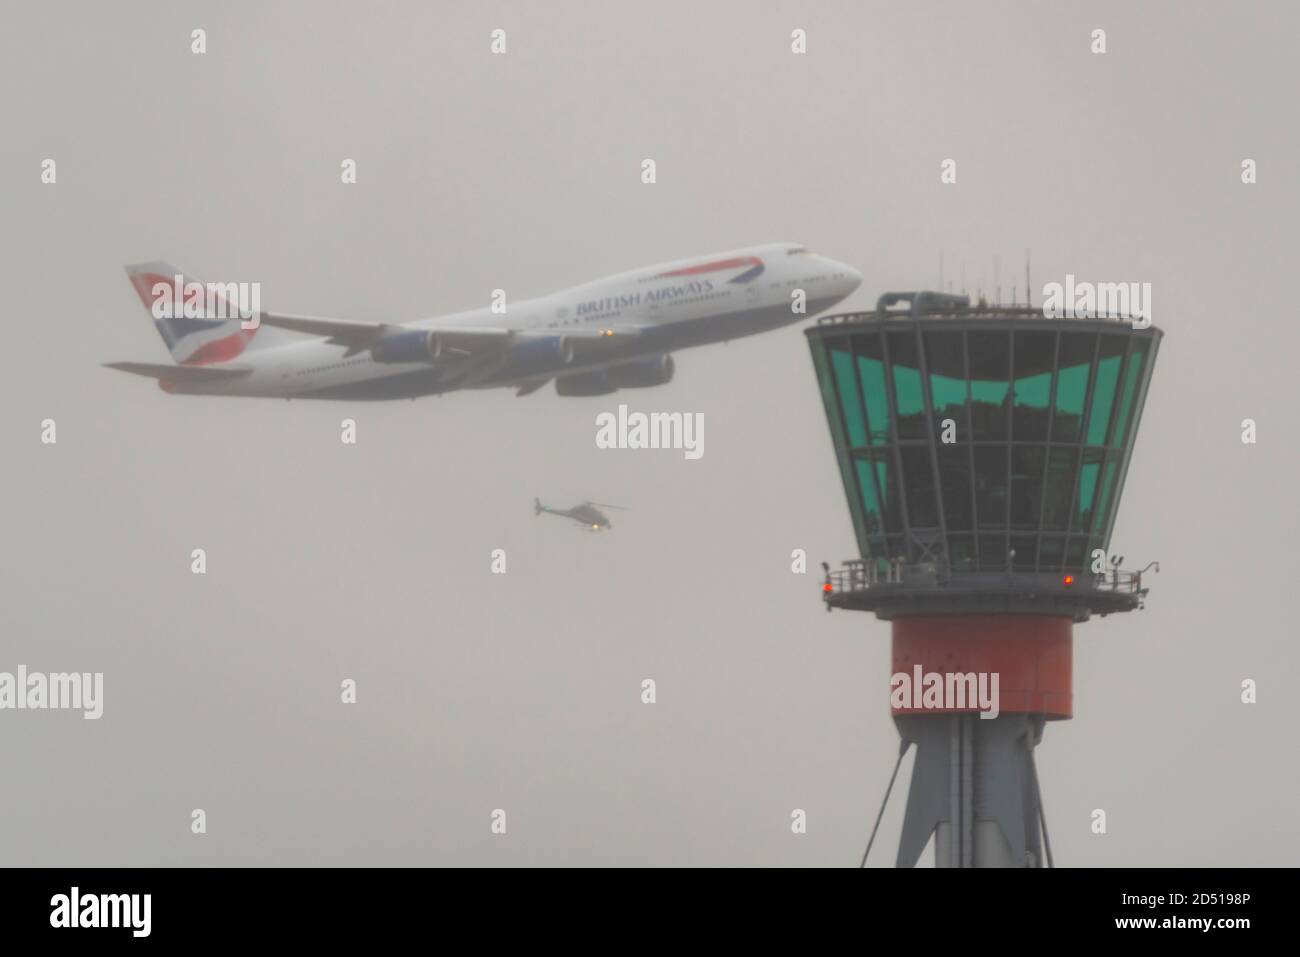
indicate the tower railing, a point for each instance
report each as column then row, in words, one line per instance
column 860, row 575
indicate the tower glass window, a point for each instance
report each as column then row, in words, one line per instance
column 978, row 438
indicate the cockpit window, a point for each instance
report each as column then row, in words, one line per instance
column 797, row 251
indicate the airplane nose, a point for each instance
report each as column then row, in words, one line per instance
column 852, row 277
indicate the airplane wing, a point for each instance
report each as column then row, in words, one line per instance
column 358, row 336
column 188, row 374
column 354, row 334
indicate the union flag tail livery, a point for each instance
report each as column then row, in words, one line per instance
column 592, row 339
column 199, row 329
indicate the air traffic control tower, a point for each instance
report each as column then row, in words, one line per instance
column 983, row 450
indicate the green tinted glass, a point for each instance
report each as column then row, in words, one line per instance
column 835, row 420
column 824, row 380
column 909, row 403
column 1035, row 358
column 873, row 520
column 887, row 482
column 854, row 420
column 1044, row 417
column 1103, row 499
column 1128, row 391
column 948, row 396
column 1087, row 489
column 907, row 393
column 1072, row 384
column 945, row 360
column 1109, row 358
column 871, row 376
column 1032, row 393
column 990, row 386
column 1061, row 467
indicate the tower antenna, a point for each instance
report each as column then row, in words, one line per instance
column 1029, row 296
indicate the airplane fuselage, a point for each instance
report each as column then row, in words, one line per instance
column 666, row 307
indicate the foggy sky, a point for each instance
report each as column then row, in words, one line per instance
column 371, row 562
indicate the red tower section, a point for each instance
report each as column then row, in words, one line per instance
column 1031, row 654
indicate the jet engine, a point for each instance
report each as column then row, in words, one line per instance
column 642, row 373
column 584, row 383
column 534, row 356
column 416, row 345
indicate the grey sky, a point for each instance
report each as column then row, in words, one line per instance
column 520, row 171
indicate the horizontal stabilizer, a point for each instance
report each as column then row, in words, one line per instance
column 179, row 373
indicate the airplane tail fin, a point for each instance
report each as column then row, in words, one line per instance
column 537, row 506
column 200, row 323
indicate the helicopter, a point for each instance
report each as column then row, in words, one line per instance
column 586, row 514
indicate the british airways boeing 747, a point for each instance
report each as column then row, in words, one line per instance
column 592, row 339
